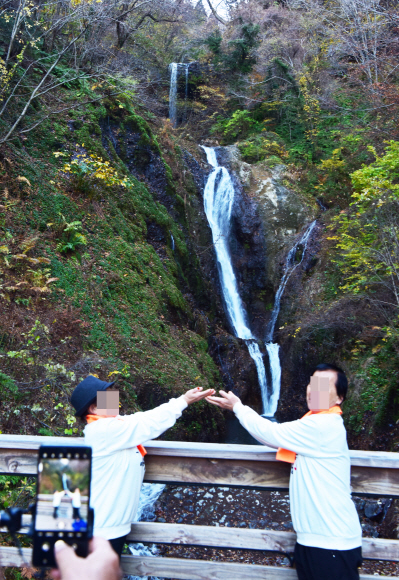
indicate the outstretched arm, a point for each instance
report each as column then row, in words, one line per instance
column 298, row 436
column 131, row 430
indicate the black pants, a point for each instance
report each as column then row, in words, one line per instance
column 321, row 564
column 117, row 544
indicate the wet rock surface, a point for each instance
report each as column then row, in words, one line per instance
column 142, row 160
column 282, row 212
column 237, row 367
column 242, row 508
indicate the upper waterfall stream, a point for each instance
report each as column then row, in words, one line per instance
column 174, row 78
column 218, row 204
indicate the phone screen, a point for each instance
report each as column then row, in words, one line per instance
column 63, row 499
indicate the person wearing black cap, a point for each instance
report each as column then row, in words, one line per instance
column 116, row 441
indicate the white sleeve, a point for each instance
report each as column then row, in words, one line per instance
column 132, row 430
column 301, row 436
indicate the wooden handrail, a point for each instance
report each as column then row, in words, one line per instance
column 373, row 472
column 377, row 459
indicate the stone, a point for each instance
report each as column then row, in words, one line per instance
column 359, row 505
column 370, row 530
column 373, row 509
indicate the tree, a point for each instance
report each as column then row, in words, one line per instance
column 55, row 44
column 367, row 236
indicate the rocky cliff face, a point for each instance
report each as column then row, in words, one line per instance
column 268, row 216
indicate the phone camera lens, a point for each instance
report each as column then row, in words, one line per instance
column 75, row 547
column 45, row 547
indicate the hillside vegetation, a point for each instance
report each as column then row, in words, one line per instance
column 100, row 269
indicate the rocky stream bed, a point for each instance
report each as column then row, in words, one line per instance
column 243, row 508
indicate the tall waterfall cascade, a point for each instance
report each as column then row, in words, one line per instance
column 218, row 205
column 175, row 68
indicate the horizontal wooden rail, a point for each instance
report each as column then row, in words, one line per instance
column 237, row 538
column 373, row 472
column 180, row 569
column 202, row 570
column 244, row 539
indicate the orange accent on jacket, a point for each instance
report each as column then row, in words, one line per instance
column 289, row 456
column 92, row 418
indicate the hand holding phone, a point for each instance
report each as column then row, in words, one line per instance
column 102, row 563
column 62, row 504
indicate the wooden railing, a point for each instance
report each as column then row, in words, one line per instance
column 255, row 467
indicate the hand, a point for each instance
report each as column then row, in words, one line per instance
column 101, row 564
column 226, row 401
column 197, row 394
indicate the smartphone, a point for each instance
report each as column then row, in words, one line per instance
column 62, row 503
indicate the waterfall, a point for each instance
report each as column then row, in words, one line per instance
column 187, row 67
column 149, row 494
column 174, row 75
column 173, row 67
column 275, row 371
column 172, row 240
column 218, row 205
column 271, row 347
column 290, row 266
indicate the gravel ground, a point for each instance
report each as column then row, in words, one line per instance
column 241, row 508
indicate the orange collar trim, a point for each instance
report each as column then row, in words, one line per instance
column 336, row 409
column 92, row 418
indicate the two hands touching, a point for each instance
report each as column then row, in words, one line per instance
column 226, row 401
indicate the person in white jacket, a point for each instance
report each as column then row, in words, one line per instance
column 118, row 456
column 329, row 534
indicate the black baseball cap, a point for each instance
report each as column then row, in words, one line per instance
column 86, row 393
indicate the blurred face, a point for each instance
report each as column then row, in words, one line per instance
column 321, row 392
column 107, row 403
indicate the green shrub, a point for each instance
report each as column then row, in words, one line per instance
column 258, row 147
column 239, row 125
column 7, row 384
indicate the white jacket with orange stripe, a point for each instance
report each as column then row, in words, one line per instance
column 118, row 466
column 323, row 513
